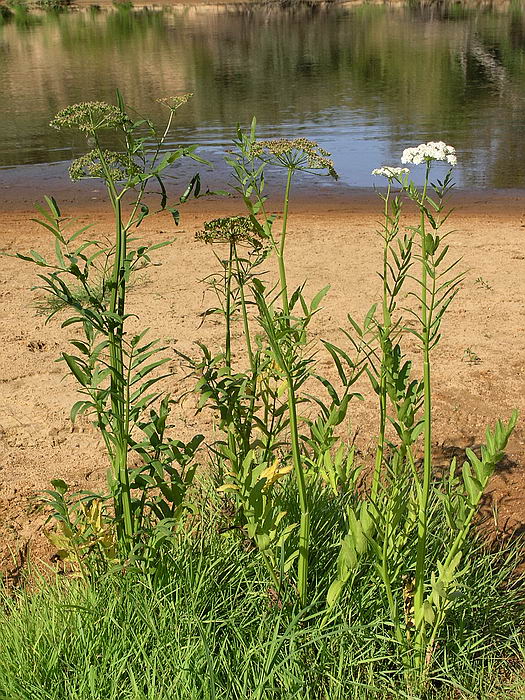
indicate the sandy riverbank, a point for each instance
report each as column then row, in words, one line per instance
column 331, row 241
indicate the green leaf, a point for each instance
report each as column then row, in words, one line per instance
column 369, row 316
column 338, row 354
column 348, row 552
column 473, row 487
column 75, row 368
column 334, row 592
column 78, row 408
column 144, row 211
column 60, row 486
column 53, row 206
column 318, row 298
column 428, row 612
column 175, row 214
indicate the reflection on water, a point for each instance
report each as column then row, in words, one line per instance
column 364, row 81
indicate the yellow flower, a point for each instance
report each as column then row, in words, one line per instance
column 275, row 472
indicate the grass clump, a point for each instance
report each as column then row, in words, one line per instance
column 206, row 625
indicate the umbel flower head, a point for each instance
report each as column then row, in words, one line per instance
column 234, row 229
column 176, row 101
column 299, row 154
column 390, row 172
column 426, row 152
column 117, row 165
column 89, row 117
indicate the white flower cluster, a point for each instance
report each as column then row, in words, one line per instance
column 433, row 150
column 390, row 172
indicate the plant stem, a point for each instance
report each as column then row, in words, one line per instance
column 304, row 526
column 271, row 571
column 118, row 390
column 427, row 439
column 280, row 252
column 229, row 306
column 244, row 311
column 384, row 338
column 119, row 404
column 388, row 588
column 240, row 282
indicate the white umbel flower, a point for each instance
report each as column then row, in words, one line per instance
column 433, row 150
column 390, row 172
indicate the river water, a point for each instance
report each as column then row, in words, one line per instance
column 364, row 81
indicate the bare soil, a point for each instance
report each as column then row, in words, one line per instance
column 478, row 368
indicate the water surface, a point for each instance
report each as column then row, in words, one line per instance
column 364, row 81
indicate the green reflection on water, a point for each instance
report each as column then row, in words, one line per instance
column 365, row 80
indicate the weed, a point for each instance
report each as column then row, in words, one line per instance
column 471, row 357
column 483, row 284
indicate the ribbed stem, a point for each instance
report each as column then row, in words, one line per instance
column 304, row 526
column 244, row 308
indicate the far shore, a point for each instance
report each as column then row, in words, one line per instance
column 287, row 3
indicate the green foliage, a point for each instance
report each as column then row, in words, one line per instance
column 118, row 374
column 205, row 625
column 389, row 527
column 358, row 588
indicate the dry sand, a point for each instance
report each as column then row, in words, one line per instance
column 332, row 241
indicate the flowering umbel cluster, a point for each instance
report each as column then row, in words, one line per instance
column 230, row 229
column 390, row 172
column 300, row 154
column 426, row 152
column 89, row 117
column 115, row 165
column 176, row 101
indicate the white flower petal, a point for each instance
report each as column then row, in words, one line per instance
column 390, row 171
column 433, row 150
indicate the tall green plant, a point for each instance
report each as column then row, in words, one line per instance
column 118, row 372
column 396, row 514
column 280, row 362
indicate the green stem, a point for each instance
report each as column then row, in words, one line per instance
column 119, row 404
column 388, row 589
column 427, row 439
column 244, row 308
column 280, row 252
column 229, row 306
column 269, row 417
column 385, row 333
column 253, row 366
column 304, row 526
column 271, row 571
